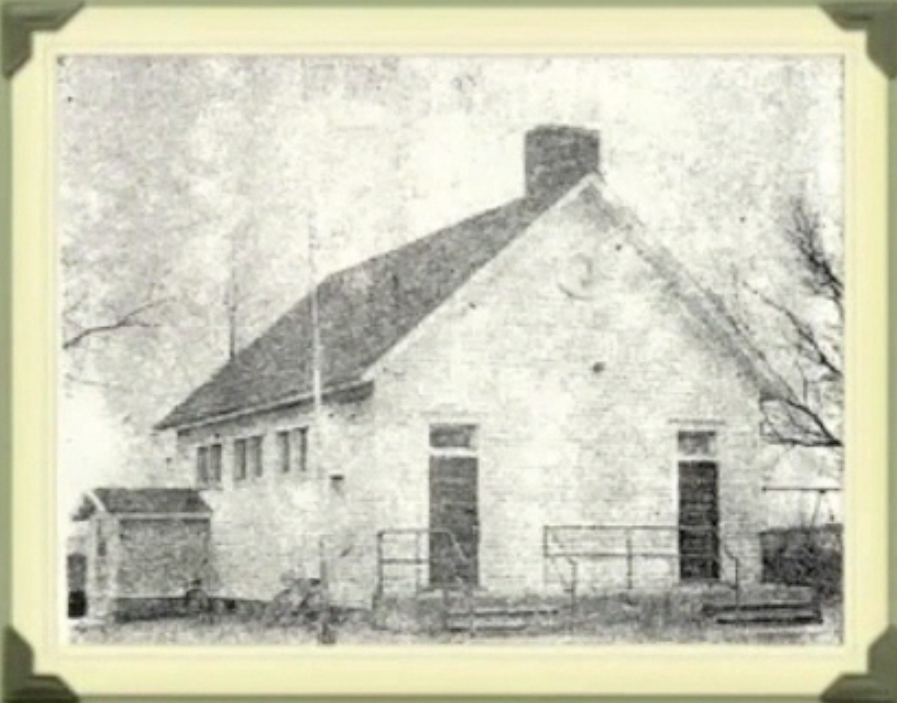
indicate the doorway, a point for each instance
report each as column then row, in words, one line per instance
column 454, row 510
column 699, row 547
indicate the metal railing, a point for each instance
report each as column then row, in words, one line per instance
column 457, row 565
column 566, row 543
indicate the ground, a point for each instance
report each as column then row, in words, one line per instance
column 232, row 630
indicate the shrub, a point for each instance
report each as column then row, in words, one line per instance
column 804, row 557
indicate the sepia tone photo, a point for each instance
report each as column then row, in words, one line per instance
column 504, row 350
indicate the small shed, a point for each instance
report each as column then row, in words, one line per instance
column 143, row 548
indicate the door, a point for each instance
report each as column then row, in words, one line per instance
column 453, row 514
column 698, row 521
column 76, row 571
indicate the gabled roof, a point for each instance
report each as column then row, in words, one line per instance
column 144, row 501
column 363, row 311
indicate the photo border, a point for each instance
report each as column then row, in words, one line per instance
column 21, row 20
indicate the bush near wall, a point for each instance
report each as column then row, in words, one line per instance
column 133, row 609
column 804, row 556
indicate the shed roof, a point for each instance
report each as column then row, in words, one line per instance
column 146, row 501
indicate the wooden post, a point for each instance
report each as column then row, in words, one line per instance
column 326, row 634
column 574, row 570
column 378, row 590
column 737, row 586
column 629, row 559
column 471, row 607
column 417, row 562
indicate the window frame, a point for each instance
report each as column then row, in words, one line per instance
column 216, row 464
column 241, row 456
column 202, row 466
column 295, row 439
column 210, row 472
column 303, row 434
column 255, row 457
column 284, row 451
column 712, row 451
column 470, row 448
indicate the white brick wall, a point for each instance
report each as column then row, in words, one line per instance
column 559, row 443
column 265, row 527
column 102, row 564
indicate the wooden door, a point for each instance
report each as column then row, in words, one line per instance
column 699, row 549
column 453, row 513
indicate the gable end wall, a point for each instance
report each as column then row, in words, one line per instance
column 560, row 443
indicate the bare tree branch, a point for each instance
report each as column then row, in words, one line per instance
column 807, row 343
column 808, row 417
column 820, row 276
column 130, row 319
column 800, row 426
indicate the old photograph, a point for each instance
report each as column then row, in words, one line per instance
column 450, row 349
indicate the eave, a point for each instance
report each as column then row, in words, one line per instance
column 352, row 391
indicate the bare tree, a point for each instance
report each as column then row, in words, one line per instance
column 810, row 324
column 134, row 227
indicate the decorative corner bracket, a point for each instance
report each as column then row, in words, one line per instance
column 21, row 19
column 19, row 681
column 879, row 684
column 879, row 21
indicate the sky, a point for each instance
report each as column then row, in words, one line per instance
column 173, row 170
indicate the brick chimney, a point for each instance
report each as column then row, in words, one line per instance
column 557, row 158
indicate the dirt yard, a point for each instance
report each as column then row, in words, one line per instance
column 230, row 630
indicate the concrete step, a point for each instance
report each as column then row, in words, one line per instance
column 507, row 611
column 763, row 594
column 486, row 625
column 495, row 623
column 712, row 608
column 770, row 616
column 491, row 618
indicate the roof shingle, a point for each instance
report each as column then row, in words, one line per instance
column 363, row 311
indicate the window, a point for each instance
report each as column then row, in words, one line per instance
column 215, row 452
column 240, row 460
column 453, row 437
column 292, row 450
column 300, row 444
column 208, row 465
column 283, row 451
column 256, row 463
column 202, row 466
column 697, row 443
